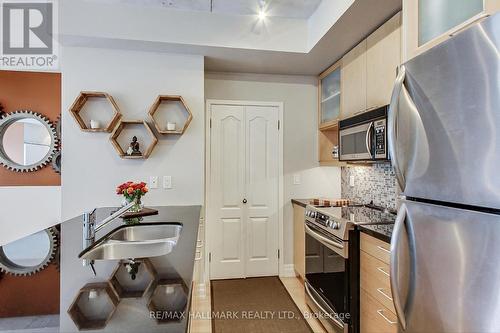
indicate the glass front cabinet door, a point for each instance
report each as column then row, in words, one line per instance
column 427, row 23
column 329, row 97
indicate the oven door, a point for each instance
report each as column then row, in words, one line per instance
column 327, row 280
column 356, row 143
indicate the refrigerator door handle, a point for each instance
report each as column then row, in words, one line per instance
column 396, row 236
column 391, row 124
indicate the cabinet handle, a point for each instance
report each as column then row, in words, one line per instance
column 383, row 249
column 245, row 201
column 198, row 256
column 380, row 312
column 382, row 270
column 477, row 19
column 381, row 290
column 199, row 243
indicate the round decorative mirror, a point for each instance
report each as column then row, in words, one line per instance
column 28, row 141
column 30, row 254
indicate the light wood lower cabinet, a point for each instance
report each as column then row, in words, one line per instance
column 375, row 247
column 374, row 278
column 377, row 313
column 299, row 241
column 375, row 318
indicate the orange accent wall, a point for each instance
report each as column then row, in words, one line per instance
column 39, row 92
column 30, row 295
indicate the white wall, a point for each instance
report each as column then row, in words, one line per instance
column 91, row 166
column 299, row 95
column 17, row 221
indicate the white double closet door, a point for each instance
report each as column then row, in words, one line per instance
column 243, row 190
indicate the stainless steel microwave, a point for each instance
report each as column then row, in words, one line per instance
column 363, row 138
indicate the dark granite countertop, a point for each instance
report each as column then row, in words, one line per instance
column 134, row 316
column 380, row 231
column 301, row 202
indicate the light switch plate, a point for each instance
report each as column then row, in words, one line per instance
column 153, row 182
column 167, row 182
column 351, row 181
column 296, row 179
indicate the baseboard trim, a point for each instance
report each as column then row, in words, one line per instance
column 288, row 271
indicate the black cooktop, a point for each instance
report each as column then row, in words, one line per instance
column 367, row 214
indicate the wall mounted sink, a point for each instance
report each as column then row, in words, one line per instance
column 135, row 241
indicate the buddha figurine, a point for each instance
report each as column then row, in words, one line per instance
column 133, row 148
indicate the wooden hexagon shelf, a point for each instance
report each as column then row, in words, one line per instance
column 170, row 296
column 82, row 99
column 94, row 306
column 155, row 108
column 117, row 132
column 136, row 286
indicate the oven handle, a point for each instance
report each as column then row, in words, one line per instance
column 335, row 320
column 368, row 140
column 322, row 239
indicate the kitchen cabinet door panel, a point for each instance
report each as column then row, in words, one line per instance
column 353, row 73
column 383, row 56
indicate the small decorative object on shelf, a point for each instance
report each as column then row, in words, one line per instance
column 95, row 124
column 171, row 126
column 147, row 145
column 133, row 192
column 133, row 148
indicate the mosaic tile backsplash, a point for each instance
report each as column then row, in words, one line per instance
column 375, row 183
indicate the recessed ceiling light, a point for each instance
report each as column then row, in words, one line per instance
column 262, row 10
column 262, row 14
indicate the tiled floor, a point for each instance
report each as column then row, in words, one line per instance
column 296, row 289
column 200, row 311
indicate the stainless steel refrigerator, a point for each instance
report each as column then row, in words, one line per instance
column 444, row 140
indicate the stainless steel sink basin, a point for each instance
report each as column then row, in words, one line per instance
column 137, row 241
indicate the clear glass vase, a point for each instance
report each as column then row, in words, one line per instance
column 137, row 207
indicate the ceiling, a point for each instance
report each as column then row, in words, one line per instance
column 357, row 22
column 278, row 8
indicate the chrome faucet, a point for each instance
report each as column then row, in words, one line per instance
column 90, row 228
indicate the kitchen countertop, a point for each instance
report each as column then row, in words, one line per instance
column 301, row 202
column 380, row 231
column 132, row 315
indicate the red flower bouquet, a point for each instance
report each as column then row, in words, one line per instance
column 133, row 192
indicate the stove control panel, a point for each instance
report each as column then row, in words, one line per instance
column 323, row 219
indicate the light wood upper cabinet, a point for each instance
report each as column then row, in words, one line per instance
column 383, row 56
column 353, row 72
column 329, row 111
column 329, row 97
column 427, row 23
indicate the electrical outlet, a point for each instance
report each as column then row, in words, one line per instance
column 351, row 181
column 167, row 182
column 296, row 179
column 153, row 182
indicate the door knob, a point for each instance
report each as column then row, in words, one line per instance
column 244, row 201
